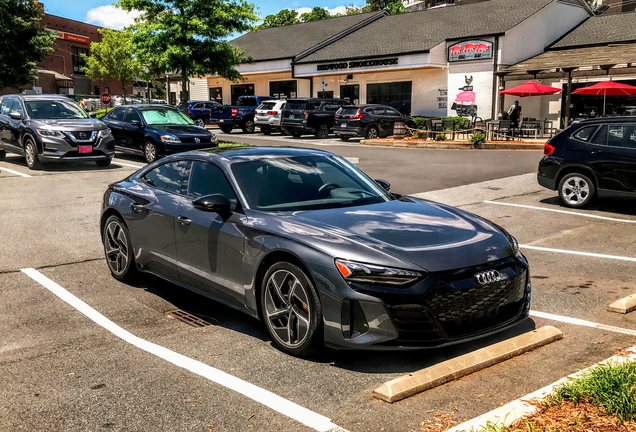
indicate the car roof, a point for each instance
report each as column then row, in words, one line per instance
column 605, row 120
column 244, row 154
column 37, row 97
column 147, row 106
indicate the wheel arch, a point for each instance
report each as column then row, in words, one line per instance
column 28, row 134
column 111, row 211
column 579, row 169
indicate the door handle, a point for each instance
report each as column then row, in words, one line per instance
column 184, row 220
column 595, row 152
column 136, row 207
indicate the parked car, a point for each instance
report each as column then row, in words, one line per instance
column 267, row 116
column 368, row 121
column 305, row 241
column 240, row 115
column 591, row 158
column 201, row 111
column 154, row 131
column 304, row 116
column 52, row 128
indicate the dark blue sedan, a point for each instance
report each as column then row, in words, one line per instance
column 156, row 130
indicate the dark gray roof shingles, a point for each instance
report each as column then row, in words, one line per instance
column 421, row 31
column 289, row 41
column 602, row 29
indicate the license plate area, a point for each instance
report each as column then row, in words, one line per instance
column 85, row 149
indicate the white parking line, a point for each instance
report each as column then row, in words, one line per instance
column 561, row 211
column 581, row 322
column 621, row 258
column 125, row 164
column 267, row 398
column 14, row 172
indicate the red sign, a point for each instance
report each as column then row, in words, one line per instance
column 470, row 50
column 73, row 37
column 105, row 98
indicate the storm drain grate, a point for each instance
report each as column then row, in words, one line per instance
column 188, row 318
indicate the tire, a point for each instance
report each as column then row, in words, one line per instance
column 266, row 131
column 200, row 122
column 103, row 163
column 301, row 318
column 283, row 131
column 151, row 152
column 372, row 133
column 118, row 248
column 296, row 134
column 248, row 126
column 3, row 154
column 31, row 154
column 227, row 129
column 345, row 138
column 576, row 190
column 322, row 131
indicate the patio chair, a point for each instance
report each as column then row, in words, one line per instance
column 466, row 129
column 504, row 129
column 449, row 125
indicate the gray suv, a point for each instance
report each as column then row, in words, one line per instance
column 52, row 128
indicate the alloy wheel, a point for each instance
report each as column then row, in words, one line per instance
column 287, row 308
column 249, row 126
column 150, row 152
column 29, row 153
column 200, row 123
column 116, row 247
column 372, row 133
column 575, row 191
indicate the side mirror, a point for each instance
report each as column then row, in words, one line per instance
column 384, row 184
column 135, row 123
column 92, row 115
column 216, row 203
column 15, row 115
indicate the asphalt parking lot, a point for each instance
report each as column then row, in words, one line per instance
column 63, row 371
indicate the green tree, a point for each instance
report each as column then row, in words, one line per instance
column 317, row 13
column 23, row 43
column 190, row 36
column 393, row 6
column 282, row 18
column 112, row 59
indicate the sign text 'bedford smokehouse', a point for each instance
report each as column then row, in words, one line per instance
column 358, row 64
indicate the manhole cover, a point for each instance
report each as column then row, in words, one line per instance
column 188, row 318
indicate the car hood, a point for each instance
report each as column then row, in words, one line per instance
column 69, row 124
column 182, row 131
column 432, row 236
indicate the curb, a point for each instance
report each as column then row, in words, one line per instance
column 624, row 305
column 441, row 373
column 452, row 145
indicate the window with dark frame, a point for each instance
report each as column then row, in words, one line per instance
column 283, row 90
column 239, row 90
column 397, row 95
column 78, row 61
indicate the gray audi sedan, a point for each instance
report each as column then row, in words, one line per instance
column 306, row 242
column 52, row 128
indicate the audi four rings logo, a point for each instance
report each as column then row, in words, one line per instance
column 488, row 277
column 197, row 140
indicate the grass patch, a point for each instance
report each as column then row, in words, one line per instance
column 231, row 144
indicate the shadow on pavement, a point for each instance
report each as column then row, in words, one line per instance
column 19, row 162
column 624, row 206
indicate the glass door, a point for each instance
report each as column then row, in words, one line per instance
column 350, row 93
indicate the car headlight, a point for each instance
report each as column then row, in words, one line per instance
column 170, row 139
column 105, row 133
column 515, row 244
column 49, row 133
column 373, row 274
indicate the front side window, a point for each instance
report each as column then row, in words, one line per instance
column 54, row 109
column 167, row 177
column 208, row 179
column 305, row 183
column 17, row 107
column 117, row 114
column 164, row 116
column 132, row 115
column 6, row 106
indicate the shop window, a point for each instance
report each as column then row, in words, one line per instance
column 325, row 94
column 96, row 90
column 216, row 94
column 241, row 90
column 283, row 90
column 396, row 95
column 78, row 61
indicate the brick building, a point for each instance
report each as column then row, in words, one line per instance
column 617, row 6
column 418, row 5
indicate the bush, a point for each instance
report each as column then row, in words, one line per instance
column 102, row 112
column 477, row 139
column 420, row 122
column 440, row 137
column 459, row 122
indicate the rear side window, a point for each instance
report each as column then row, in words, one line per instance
column 332, row 106
column 378, row 111
column 6, row 106
column 296, row 105
column 314, row 105
column 600, row 137
column 167, row 177
column 584, row 134
column 117, row 114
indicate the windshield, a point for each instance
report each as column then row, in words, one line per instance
column 305, row 183
column 54, row 109
column 165, row 116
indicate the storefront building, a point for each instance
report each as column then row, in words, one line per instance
column 437, row 62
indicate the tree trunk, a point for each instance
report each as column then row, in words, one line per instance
column 184, row 90
column 148, row 90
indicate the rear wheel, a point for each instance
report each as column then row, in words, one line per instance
column 227, row 129
column 323, row 131
column 576, row 190
column 283, row 131
column 249, row 126
column 344, row 138
column 3, row 154
column 103, row 163
column 291, row 310
column 199, row 122
column 372, row 133
column 31, row 154
column 118, row 249
column 266, row 130
column 150, row 152
column 296, row 134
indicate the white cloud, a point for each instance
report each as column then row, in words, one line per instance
column 111, row 17
column 332, row 11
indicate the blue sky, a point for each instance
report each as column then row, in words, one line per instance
column 100, row 12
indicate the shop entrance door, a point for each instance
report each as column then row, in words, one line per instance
column 350, row 93
column 216, row 94
column 241, row 90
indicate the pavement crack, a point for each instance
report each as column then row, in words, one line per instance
column 55, row 265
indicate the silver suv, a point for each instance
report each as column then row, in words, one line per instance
column 51, row 128
column 267, row 116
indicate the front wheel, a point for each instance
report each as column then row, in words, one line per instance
column 249, row 126
column 291, row 310
column 227, row 129
column 31, row 154
column 150, row 152
column 103, row 163
column 323, row 131
column 200, row 123
column 576, row 190
column 118, row 249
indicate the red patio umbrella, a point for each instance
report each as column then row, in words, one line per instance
column 531, row 88
column 607, row 88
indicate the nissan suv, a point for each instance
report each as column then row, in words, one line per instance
column 52, row 128
column 591, row 158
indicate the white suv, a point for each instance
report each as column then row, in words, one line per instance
column 267, row 116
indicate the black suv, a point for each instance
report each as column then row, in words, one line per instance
column 591, row 158
column 50, row 128
column 310, row 116
column 368, row 121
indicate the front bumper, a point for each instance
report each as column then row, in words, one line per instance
column 443, row 309
column 180, row 148
column 53, row 149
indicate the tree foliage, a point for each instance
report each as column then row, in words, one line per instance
column 23, row 43
column 317, row 13
column 393, row 6
column 282, row 18
column 112, row 59
column 189, row 36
